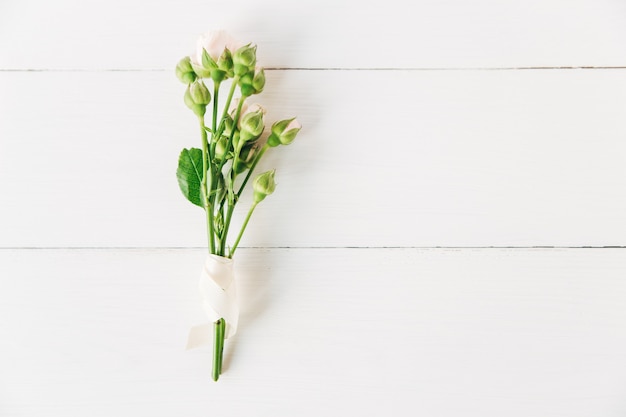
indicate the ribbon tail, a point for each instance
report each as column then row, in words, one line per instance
column 199, row 336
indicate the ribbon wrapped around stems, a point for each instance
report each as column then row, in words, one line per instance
column 219, row 300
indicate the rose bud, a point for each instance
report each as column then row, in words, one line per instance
column 244, row 59
column 210, row 48
column 252, row 83
column 259, row 80
column 220, row 148
column 198, row 109
column 184, row 71
column 228, row 125
column 245, row 159
column 225, row 63
column 263, row 186
column 284, row 132
column 252, row 123
column 199, row 93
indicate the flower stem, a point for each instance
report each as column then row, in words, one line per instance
column 233, row 86
column 230, row 184
column 221, row 352
column 206, row 170
column 232, row 133
column 231, row 200
column 256, row 161
column 235, row 199
column 229, row 215
column 214, row 137
column 219, row 328
column 243, row 228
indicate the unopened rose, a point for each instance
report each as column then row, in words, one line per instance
column 284, row 132
column 244, row 59
column 252, row 82
column 184, row 71
column 263, row 186
column 252, row 123
column 199, row 92
column 245, row 109
column 214, row 42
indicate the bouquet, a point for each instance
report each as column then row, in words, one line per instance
column 215, row 175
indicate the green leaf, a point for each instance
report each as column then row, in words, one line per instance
column 189, row 174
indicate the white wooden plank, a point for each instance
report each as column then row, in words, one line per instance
column 323, row 332
column 130, row 34
column 476, row 158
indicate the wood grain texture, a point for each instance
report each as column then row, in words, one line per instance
column 365, row 332
column 135, row 34
column 392, row 158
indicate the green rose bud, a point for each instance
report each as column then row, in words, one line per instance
column 284, row 132
column 184, row 71
column 199, row 93
column 259, row 80
column 200, row 71
column 198, row 109
column 225, row 63
column 236, row 143
column 263, row 186
column 252, row 123
column 245, row 84
column 244, row 59
column 252, row 82
column 228, row 125
column 208, row 62
column 217, row 75
column 220, row 148
column 245, row 159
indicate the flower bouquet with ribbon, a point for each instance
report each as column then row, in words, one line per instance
column 215, row 175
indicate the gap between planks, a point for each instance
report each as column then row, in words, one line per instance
column 301, row 247
column 534, row 68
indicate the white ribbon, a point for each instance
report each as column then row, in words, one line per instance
column 219, row 300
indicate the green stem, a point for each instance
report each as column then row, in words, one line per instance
column 206, row 170
column 214, row 137
column 243, row 228
column 231, row 201
column 218, row 346
column 232, row 133
column 221, row 352
column 230, row 184
column 256, row 161
column 229, row 215
column 227, row 105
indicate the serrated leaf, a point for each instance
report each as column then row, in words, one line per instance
column 189, row 174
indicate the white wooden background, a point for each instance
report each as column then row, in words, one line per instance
column 424, row 253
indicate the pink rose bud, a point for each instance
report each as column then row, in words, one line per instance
column 214, row 43
column 213, row 55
